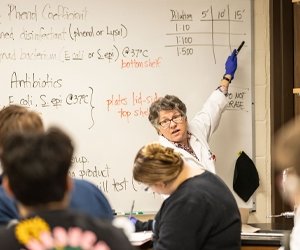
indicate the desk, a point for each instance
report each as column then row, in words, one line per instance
column 270, row 237
column 261, row 241
column 259, row 248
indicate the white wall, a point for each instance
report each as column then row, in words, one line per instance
column 262, row 110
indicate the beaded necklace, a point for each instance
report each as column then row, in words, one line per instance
column 187, row 148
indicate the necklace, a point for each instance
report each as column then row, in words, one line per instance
column 187, row 148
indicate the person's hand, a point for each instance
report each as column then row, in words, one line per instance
column 133, row 220
column 125, row 224
column 231, row 64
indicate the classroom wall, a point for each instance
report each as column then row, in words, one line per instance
column 261, row 78
column 262, row 110
column 261, row 34
column 93, row 101
column 261, row 47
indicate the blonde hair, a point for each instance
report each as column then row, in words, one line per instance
column 18, row 119
column 156, row 163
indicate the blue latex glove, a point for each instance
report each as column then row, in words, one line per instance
column 133, row 220
column 231, row 64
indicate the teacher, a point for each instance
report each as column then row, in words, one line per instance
column 190, row 139
column 168, row 116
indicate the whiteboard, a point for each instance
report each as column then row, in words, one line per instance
column 94, row 67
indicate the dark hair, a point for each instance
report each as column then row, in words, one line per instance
column 37, row 165
column 168, row 102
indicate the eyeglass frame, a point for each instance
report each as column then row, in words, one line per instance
column 168, row 121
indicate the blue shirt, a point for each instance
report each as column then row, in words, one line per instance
column 85, row 197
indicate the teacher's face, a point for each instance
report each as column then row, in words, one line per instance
column 173, row 126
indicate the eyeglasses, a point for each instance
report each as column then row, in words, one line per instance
column 147, row 189
column 143, row 187
column 166, row 123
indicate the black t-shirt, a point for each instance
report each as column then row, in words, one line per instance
column 66, row 227
column 201, row 214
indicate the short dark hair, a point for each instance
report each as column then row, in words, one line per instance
column 37, row 165
column 168, row 102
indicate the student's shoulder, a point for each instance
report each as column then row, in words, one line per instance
column 84, row 186
column 84, row 183
column 89, row 198
column 105, row 231
column 3, row 195
column 8, row 239
column 8, row 210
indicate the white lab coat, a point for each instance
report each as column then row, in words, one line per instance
column 295, row 235
column 294, row 240
column 202, row 127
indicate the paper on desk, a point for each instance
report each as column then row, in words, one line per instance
column 140, row 237
column 249, row 229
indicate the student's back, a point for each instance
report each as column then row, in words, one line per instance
column 36, row 167
column 66, row 227
column 85, row 197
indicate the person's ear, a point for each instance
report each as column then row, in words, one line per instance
column 70, row 184
column 160, row 188
column 6, row 186
column 160, row 185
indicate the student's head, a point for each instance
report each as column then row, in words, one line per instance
column 155, row 164
column 287, row 150
column 168, row 116
column 287, row 159
column 36, row 166
column 16, row 118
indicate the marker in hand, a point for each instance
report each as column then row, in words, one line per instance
column 231, row 63
column 240, row 47
column 131, row 210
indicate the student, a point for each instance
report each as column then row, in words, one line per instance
column 168, row 116
column 200, row 213
column 85, row 197
column 36, row 169
column 287, row 158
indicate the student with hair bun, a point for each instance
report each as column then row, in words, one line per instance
column 200, row 212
